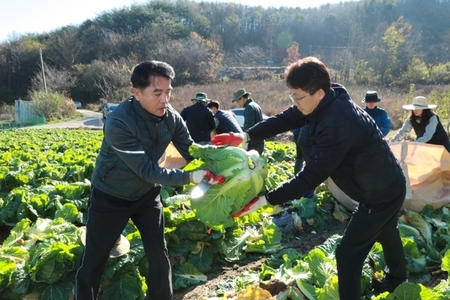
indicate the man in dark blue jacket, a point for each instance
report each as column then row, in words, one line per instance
column 348, row 147
column 199, row 119
column 226, row 121
column 378, row 114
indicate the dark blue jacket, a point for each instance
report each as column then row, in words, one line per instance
column 200, row 122
column 346, row 146
column 227, row 122
column 381, row 118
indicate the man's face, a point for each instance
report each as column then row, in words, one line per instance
column 305, row 102
column 155, row 97
column 240, row 102
column 371, row 105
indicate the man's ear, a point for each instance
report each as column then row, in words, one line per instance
column 136, row 93
column 321, row 94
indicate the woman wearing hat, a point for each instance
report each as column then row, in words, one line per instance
column 379, row 115
column 425, row 123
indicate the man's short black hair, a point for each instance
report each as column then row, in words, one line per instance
column 144, row 71
column 213, row 103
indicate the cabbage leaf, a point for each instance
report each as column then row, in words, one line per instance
column 244, row 172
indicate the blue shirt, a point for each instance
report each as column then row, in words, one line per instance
column 380, row 117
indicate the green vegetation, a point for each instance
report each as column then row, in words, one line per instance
column 44, row 190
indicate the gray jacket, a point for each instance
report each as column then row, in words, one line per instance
column 134, row 140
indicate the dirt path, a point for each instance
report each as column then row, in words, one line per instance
column 90, row 120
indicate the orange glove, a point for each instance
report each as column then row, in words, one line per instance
column 254, row 205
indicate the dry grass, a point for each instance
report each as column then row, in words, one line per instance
column 272, row 96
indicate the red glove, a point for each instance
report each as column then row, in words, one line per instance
column 232, row 139
column 198, row 176
column 254, row 205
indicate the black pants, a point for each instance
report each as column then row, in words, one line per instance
column 366, row 226
column 107, row 217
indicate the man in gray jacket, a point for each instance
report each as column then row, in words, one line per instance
column 127, row 179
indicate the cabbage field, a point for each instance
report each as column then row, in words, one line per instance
column 44, row 189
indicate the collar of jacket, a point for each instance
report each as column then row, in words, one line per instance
column 248, row 102
column 144, row 114
column 336, row 91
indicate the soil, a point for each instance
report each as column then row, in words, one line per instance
column 302, row 241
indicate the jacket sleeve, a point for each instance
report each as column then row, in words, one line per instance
column 402, row 131
column 211, row 120
column 285, row 121
column 333, row 140
column 181, row 138
column 385, row 123
column 130, row 151
column 430, row 130
column 249, row 117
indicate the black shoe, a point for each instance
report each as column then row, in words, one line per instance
column 386, row 285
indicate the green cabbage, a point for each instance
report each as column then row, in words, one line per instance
column 244, row 172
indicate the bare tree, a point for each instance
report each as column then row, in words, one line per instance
column 114, row 84
column 65, row 47
column 60, row 81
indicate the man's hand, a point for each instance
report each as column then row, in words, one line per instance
column 232, row 139
column 254, row 205
column 199, row 175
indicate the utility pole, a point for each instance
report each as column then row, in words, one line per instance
column 43, row 72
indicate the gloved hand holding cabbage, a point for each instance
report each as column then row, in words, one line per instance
column 231, row 139
column 244, row 173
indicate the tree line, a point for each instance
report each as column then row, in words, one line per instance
column 379, row 42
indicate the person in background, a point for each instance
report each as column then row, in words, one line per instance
column 303, row 146
column 252, row 115
column 127, row 179
column 425, row 123
column 226, row 121
column 378, row 114
column 199, row 119
column 299, row 159
column 348, row 147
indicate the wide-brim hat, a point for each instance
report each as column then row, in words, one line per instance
column 371, row 96
column 121, row 247
column 419, row 102
column 238, row 94
column 202, row 97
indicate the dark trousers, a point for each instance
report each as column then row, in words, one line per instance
column 366, row 226
column 107, row 217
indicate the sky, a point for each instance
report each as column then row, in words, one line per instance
column 19, row 17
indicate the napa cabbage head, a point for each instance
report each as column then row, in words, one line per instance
column 245, row 173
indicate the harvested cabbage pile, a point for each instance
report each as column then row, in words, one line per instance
column 244, row 172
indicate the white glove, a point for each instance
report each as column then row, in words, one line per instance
column 254, row 205
column 199, row 175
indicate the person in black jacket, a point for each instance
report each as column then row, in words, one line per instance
column 199, row 119
column 226, row 121
column 252, row 115
column 127, row 179
column 348, row 147
column 425, row 123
